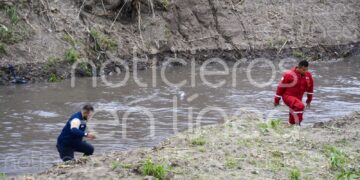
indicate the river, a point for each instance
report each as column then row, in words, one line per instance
column 32, row 115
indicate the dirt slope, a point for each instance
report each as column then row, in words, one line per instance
column 49, row 35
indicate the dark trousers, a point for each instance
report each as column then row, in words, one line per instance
column 67, row 152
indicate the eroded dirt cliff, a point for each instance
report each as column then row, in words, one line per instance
column 42, row 38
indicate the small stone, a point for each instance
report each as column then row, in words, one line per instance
column 149, row 178
column 254, row 172
column 174, row 163
column 169, row 175
column 61, row 172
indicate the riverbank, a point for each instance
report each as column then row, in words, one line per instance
column 44, row 39
column 243, row 147
column 56, row 70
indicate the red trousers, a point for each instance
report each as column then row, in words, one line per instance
column 296, row 108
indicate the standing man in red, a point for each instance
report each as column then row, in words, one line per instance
column 291, row 89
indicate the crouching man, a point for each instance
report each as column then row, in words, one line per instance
column 71, row 138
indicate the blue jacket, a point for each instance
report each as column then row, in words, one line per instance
column 74, row 136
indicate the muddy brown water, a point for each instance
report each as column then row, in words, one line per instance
column 31, row 116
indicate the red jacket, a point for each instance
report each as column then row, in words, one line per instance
column 294, row 84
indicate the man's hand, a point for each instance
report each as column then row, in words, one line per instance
column 276, row 100
column 307, row 105
column 91, row 136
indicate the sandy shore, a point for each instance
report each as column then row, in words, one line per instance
column 244, row 147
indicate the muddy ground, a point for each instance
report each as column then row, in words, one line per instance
column 43, row 38
column 244, row 147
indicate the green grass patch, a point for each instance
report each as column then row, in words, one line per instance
column 13, row 34
column 347, row 175
column 54, row 78
column 270, row 43
column 199, row 141
column 245, row 142
column 262, row 125
column 275, row 43
column 102, row 41
column 231, row 163
column 167, row 31
column 2, row 176
column 295, row 174
column 273, row 124
column 277, row 154
column 202, row 149
column 71, row 55
column 151, row 169
column 6, row 36
column 117, row 164
column 275, row 164
column 2, row 49
column 165, row 3
column 68, row 38
column 11, row 12
column 12, row 31
column 298, row 54
column 337, row 158
column 52, row 61
column 340, row 163
column 86, row 68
